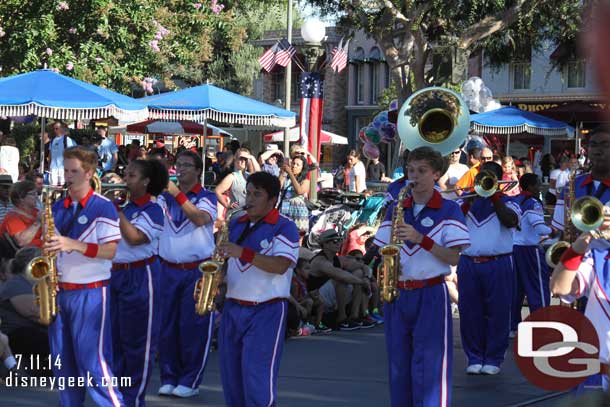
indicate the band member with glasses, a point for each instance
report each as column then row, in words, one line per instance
column 186, row 241
column 135, row 283
column 485, row 278
column 262, row 251
column 59, row 143
column 418, row 324
column 86, row 238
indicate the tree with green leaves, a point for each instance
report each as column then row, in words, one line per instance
column 413, row 33
column 128, row 45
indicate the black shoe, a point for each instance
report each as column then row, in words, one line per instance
column 365, row 323
column 322, row 329
column 348, row 326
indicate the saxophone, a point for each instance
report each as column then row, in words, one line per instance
column 389, row 269
column 211, row 270
column 43, row 271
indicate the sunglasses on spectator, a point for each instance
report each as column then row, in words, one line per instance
column 184, row 165
column 455, row 152
column 335, row 240
column 487, row 158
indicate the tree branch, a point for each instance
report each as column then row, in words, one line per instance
column 396, row 14
column 491, row 25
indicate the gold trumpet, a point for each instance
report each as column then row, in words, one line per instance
column 485, row 185
column 587, row 215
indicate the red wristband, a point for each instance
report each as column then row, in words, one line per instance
column 570, row 259
column 427, row 243
column 181, row 198
column 247, row 254
column 92, row 250
column 496, row 197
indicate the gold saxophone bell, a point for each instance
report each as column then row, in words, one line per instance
column 587, row 213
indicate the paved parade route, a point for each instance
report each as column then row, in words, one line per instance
column 339, row 369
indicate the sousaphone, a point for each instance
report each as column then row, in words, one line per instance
column 435, row 117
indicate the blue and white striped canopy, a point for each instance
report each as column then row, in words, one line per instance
column 510, row 120
column 47, row 94
column 208, row 102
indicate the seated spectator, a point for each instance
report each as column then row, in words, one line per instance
column 22, row 223
column 18, row 311
column 342, row 282
column 300, row 303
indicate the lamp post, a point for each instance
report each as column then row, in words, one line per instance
column 313, row 33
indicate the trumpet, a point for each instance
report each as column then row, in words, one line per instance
column 587, row 215
column 485, row 185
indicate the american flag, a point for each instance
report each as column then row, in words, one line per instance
column 338, row 60
column 268, row 59
column 285, row 52
column 312, row 104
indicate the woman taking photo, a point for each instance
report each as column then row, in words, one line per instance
column 22, row 223
column 295, row 187
column 135, row 301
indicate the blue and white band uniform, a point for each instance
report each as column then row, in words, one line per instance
column 80, row 336
column 184, row 341
column 252, row 330
column 135, row 301
column 487, row 235
column 442, row 220
column 147, row 217
column 418, row 325
column 95, row 220
column 594, row 282
column 182, row 241
column 583, row 185
column 485, row 283
column 531, row 276
column 249, row 283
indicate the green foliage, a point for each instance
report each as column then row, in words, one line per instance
column 386, row 96
column 118, row 43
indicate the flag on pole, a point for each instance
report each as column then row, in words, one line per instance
column 284, row 53
column 338, row 60
column 312, row 104
column 268, row 60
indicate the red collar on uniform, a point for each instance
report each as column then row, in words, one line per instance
column 435, row 202
column 272, row 217
column 589, row 179
column 83, row 202
column 141, row 201
column 196, row 189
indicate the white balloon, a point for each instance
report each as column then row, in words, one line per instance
column 485, row 95
column 492, row 105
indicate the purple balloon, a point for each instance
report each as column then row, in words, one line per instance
column 394, row 105
column 370, row 151
column 388, row 132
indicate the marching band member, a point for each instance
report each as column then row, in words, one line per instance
column 186, row 241
column 583, row 271
column 485, row 279
column 262, row 252
column 418, row 325
column 596, row 183
column 86, row 238
column 134, row 308
column 530, row 268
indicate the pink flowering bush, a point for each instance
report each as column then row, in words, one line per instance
column 215, row 7
column 62, row 6
column 197, row 6
column 69, row 66
column 72, row 30
column 49, row 51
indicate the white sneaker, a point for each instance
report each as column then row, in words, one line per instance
column 166, row 390
column 490, row 370
column 184, row 392
column 474, row 369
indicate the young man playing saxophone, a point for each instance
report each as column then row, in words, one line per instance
column 418, row 324
column 86, row 238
